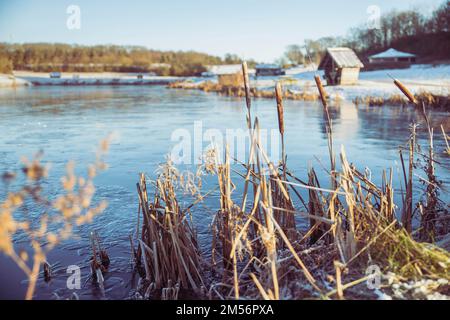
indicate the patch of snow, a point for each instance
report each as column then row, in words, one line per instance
column 11, row 81
column 439, row 73
column 418, row 78
column 381, row 295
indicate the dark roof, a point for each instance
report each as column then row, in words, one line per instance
column 342, row 57
column 267, row 66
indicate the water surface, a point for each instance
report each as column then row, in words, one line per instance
column 68, row 122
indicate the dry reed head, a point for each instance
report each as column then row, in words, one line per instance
column 322, row 93
column 280, row 109
column 405, row 91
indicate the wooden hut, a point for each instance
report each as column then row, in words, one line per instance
column 341, row 66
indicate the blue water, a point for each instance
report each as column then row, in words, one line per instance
column 68, row 122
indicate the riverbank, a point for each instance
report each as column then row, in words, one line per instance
column 84, row 79
column 367, row 93
column 430, row 84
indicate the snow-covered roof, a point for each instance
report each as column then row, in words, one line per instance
column 392, row 53
column 342, row 57
column 224, row 69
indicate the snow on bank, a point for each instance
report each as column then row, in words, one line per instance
column 92, row 78
column 11, row 81
column 439, row 74
column 418, row 79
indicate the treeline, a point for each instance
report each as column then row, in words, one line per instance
column 48, row 57
column 412, row 31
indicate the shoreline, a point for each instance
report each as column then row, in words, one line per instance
column 373, row 89
column 335, row 93
column 430, row 84
column 26, row 78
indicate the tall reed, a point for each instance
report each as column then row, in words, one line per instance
column 168, row 245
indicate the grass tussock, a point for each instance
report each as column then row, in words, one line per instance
column 429, row 99
column 240, row 91
column 167, row 247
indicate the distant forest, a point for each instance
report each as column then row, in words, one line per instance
column 47, row 57
column 426, row 36
column 411, row 31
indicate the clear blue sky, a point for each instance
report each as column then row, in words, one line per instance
column 259, row 29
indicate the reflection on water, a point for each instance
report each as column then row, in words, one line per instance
column 68, row 122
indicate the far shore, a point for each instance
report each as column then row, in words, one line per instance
column 24, row 78
column 374, row 87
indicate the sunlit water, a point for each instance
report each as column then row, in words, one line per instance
column 67, row 124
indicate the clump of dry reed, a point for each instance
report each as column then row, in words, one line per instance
column 234, row 88
column 73, row 207
column 430, row 99
column 167, row 246
column 99, row 261
column 353, row 223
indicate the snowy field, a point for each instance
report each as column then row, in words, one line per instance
column 418, row 78
column 421, row 72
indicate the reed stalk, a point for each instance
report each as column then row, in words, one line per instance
column 168, row 243
column 446, row 137
column 408, row 207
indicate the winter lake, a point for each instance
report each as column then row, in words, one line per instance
column 67, row 123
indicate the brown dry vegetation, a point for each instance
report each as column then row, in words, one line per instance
column 239, row 91
column 231, row 89
column 431, row 100
column 258, row 252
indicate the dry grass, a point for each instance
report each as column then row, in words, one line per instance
column 353, row 222
column 226, row 88
column 231, row 80
column 257, row 249
column 167, row 244
column 431, row 100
